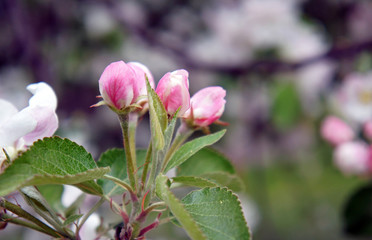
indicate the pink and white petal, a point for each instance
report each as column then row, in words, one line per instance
column 47, row 123
column 43, row 95
column 7, row 110
column 16, row 127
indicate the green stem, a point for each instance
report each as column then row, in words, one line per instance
column 183, row 133
column 22, row 213
column 120, row 183
column 146, row 165
column 154, row 206
column 166, row 220
column 17, row 221
column 91, row 211
column 115, row 205
column 150, row 185
column 129, row 153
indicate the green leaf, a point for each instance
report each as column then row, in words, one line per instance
column 34, row 196
column 218, row 213
column 116, row 160
column 34, row 199
column 177, row 208
column 168, row 133
column 53, row 161
column 53, row 195
column 71, row 219
column 75, row 206
column 192, row 147
column 224, row 179
column 357, row 214
column 193, row 181
column 158, row 117
column 212, row 166
column 205, row 161
column 286, row 108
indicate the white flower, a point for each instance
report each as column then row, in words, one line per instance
column 19, row 129
column 354, row 98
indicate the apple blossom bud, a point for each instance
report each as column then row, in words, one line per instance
column 207, row 106
column 352, row 158
column 367, row 128
column 336, row 131
column 140, row 71
column 117, row 85
column 173, row 90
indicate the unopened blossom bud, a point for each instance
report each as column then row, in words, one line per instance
column 367, row 129
column 352, row 158
column 207, row 106
column 117, row 85
column 173, row 91
column 142, row 72
column 336, row 131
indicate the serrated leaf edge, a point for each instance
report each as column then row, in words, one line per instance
column 232, row 194
column 205, row 175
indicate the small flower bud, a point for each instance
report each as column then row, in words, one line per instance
column 352, row 158
column 117, row 85
column 207, row 106
column 336, row 131
column 173, row 91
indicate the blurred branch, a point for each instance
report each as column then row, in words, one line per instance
column 25, row 41
column 179, row 53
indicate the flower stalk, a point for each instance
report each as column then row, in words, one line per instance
column 128, row 126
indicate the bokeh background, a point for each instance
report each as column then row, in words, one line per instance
column 282, row 63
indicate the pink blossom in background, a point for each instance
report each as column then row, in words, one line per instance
column 173, row 90
column 207, row 106
column 19, row 129
column 117, row 85
column 352, row 158
column 336, row 131
column 367, row 129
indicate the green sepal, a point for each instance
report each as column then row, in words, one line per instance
column 158, row 117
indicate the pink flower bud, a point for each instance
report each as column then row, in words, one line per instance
column 352, row 158
column 336, row 131
column 173, row 90
column 207, row 106
column 117, row 85
column 140, row 71
column 368, row 130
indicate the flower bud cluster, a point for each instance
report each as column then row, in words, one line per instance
column 352, row 156
column 123, row 88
